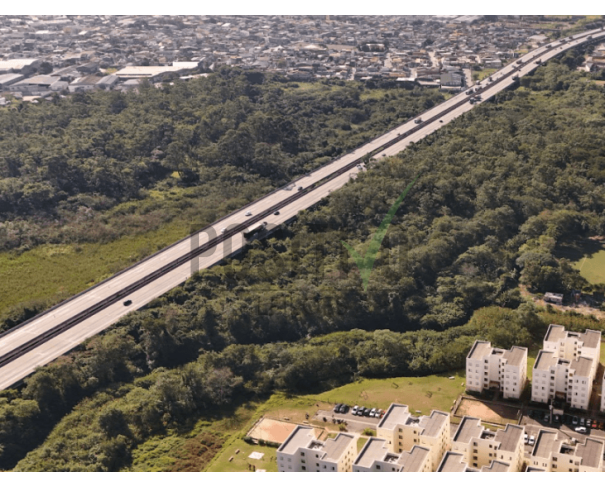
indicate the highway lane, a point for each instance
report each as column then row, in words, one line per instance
column 91, row 326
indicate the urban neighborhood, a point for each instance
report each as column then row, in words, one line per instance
column 45, row 55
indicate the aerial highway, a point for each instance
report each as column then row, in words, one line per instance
column 63, row 327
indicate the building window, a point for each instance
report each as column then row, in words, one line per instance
column 304, row 468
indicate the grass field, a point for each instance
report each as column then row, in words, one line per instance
column 55, row 272
column 241, row 461
column 588, row 256
column 484, row 73
column 192, row 451
column 419, row 393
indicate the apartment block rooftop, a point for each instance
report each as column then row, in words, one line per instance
column 581, row 366
column 396, row 414
column 376, row 450
column 547, row 359
column 515, row 355
column 591, row 452
column 509, row 437
column 589, row 338
column 468, row 428
column 453, row 462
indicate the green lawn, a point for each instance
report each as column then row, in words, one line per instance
column 419, row 393
column 240, row 460
column 55, row 272
column 592, row 267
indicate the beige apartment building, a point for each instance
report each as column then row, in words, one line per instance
column 303, row 452
column 564, row 379
column 480, row 447
column 553, row 453
column 376, row 457
column 454, row 462
column 495, row 368
column 603, row 393
column 403, row 431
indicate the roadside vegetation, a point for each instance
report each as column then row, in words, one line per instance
column 500, row 190
column 94, row 182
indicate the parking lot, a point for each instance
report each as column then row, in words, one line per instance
column 565, row 424
column 354, row 423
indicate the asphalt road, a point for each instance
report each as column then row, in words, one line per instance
column 45, row 353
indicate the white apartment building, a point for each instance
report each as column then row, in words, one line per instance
column 302, row 452
column 571, row 345
column 552, row 453
column 403, row 431
column 376, row 457
column 560, row 378
column 495, row 368
column 480, row 446
column 603, row 393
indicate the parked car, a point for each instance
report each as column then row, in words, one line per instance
column 557, row 418
column 366, row 411
column 532, row 440
column 360, row 411
column 354, row 410
column 373, row 412
column 344, row 409
column 525, row 438
column 574, row 420
column 546, row 417
column 582, row 422
column 337, row 408
column 581, row 429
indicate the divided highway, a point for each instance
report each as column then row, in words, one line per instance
column 63, row 327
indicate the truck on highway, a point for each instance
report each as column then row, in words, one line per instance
column 469, row 92
column 255, row 231
column 519, row 61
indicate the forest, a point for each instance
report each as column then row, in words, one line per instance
column 499, row 190
column 96, row 168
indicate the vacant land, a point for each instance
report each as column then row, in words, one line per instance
column 419, row 393
column 488, row 412
column 484, row 73
column 588, row 256
column 240, row 461
column 271, row 430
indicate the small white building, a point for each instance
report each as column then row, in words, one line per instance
column 303, row 452
column 495, row 368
